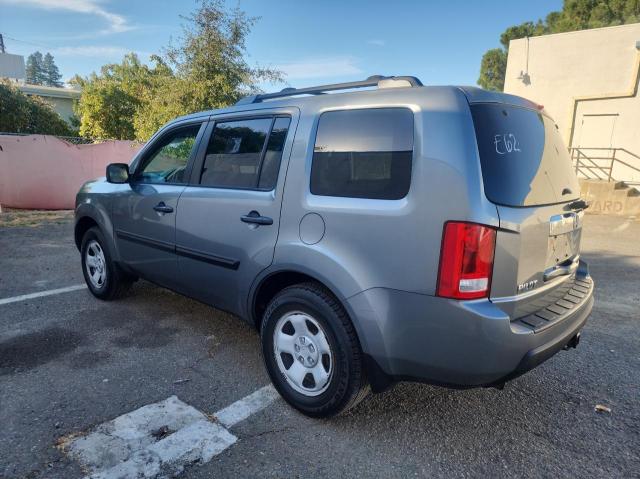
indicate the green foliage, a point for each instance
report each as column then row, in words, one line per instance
column 206, row 69
column 34, row 73
column 107, row 111
column 42, row 70
column 575, row 15
column 494, row 64
column 51, row 73
column 112, row 101
column 20, row 113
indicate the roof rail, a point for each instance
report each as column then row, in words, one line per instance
column 375, row 80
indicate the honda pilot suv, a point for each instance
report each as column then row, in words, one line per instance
column 372, row 231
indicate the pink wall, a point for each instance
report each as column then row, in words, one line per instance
column 44, row 172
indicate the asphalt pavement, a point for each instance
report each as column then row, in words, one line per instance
column 69, row 363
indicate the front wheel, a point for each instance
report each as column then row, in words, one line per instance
column 311, row 351
column 104, row 278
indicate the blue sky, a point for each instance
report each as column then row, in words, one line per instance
column 313, row 42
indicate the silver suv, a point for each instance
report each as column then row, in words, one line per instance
column 385, row 231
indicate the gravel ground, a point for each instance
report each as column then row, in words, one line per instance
column 69, row 362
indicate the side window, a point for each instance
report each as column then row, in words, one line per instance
column 245, row 153
column 273, row 154
column 363, row 154
column 169, row 157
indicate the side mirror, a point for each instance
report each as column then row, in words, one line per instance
column 118, row 173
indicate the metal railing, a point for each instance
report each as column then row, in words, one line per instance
column 600, row 163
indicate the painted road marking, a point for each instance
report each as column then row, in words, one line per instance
column 161, row 438
column 245, row 407
column 40, row 294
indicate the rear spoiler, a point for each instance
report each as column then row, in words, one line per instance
column 478, row 95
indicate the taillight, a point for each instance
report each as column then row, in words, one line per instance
column 466, row 260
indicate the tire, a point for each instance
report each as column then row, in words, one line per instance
column 104, row 278
column 332, row 381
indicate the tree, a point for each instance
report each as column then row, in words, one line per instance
column 575, row 15
column 42, row 70
column 206, row 69
column 494, row 64
column 34, row 72
column 211, row 56
column 116, row 100
column 108, row 111
column 20, row 113
column 51, row 73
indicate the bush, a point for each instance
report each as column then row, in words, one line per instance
column 20, row 113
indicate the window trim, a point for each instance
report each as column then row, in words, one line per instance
column 196, row 174
column 312, row 147
column 142, row 161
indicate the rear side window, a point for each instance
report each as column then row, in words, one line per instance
column 363, row 154
column 524, row 161
column 234, row 152
column 245, row 153
column 273, row 154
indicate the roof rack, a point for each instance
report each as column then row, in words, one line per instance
column 376, row 80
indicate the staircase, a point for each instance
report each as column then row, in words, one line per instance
column 609, row 180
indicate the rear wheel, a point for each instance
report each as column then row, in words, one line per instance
column 311, row 351
column 104, row 278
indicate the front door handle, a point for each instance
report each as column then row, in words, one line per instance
column 162, row 208
column 254, row 218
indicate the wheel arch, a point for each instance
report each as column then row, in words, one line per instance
column 83, row 224
column 274, row 280
column 89, row 215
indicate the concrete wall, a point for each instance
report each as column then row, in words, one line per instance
column 608, row 198
column 586, row 80
column 44, row 172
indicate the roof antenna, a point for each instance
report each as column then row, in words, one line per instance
column 1, row 44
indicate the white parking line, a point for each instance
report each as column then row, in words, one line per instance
column 40, row 294
column 245, row 407
column 161, row 438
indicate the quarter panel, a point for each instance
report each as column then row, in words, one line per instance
column 389, row 243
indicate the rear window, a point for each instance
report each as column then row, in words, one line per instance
column 524, row 161
column 363, row 154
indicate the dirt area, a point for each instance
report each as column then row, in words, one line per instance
column 11, row 217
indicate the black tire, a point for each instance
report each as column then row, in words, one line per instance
column 348, row 384
column 116, row 282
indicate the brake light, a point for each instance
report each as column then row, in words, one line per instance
column 466, row 260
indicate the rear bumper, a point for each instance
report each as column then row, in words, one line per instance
column 543, row 352
column 409, row 336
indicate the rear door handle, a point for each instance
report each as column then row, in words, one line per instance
column 162, row 208
column 577, row 205
column 254, row 218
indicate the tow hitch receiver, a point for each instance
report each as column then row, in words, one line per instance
column 573, row 342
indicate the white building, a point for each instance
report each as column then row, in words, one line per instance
column 588, row 82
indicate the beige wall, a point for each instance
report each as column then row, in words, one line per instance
column 61, row 99
column 587, row 81
column 62, row 106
